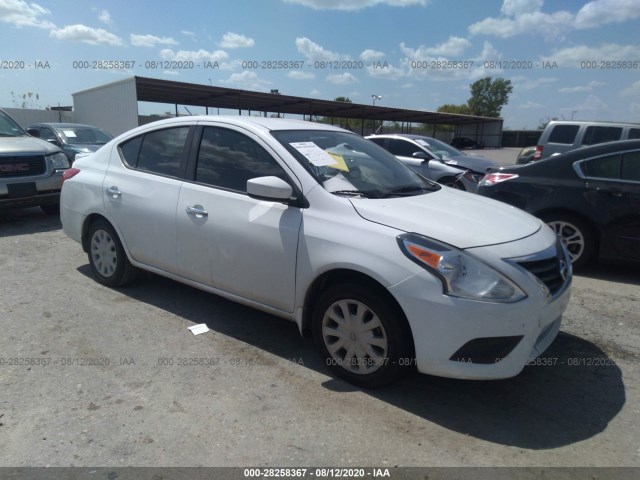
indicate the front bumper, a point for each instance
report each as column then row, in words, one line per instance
column 469, row 339
column 40, row 191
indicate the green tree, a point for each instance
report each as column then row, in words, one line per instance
column 488, row 96
column 463, row 109
column 26, row 100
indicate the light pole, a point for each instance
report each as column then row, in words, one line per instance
column 375, row 97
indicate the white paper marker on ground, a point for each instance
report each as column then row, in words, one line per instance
column 198, row 329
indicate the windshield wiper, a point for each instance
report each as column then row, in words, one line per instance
column 410, row 189
column 361, row 193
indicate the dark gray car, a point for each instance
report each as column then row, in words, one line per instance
column 72, row 138
column 30, row 169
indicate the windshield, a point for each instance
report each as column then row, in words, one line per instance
column 439, row 148
column 347, row 164
column 8, row 127
column 84, row 135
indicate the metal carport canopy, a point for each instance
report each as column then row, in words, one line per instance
column 180, row 93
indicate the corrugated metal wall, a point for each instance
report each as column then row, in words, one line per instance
column 27, row 116
column 112, row 107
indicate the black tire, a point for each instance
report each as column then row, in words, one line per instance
column 107, row 258
column 388, row 338
column 577, row 235
column 51, row 208
column 452, row 182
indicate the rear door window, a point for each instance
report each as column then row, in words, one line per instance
column 594, row 135
column 634, row 133
column 565, row 134
column 631, row 166
column 160, row 151
column 603, row 167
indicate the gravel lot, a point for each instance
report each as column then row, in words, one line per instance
column 109, row 396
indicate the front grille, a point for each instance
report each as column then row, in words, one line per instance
column 551, row 271
column 22, row 166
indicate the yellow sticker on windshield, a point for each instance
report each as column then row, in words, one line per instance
column 340, row 163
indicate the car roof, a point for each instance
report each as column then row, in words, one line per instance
column 411, row 136
column 250, row 122
column 60, row 125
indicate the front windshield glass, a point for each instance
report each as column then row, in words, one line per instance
column 347, row 164
column 439, row 148
column 8, row 127
column 84, row 135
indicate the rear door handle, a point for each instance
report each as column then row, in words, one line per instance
column 197, row 211
column 613, row 193
column 114, row 192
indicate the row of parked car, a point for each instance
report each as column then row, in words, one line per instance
column 32, row 161
column 386, row 268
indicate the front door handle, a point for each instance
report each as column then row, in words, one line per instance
column 197, row 211
column 613, row 193
column 114, row 192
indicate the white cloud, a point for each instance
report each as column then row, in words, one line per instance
column 452, row 47
column 235, row 40
column 573, row 56
column 314, row 93
column 298, row 75
column 150, row 40
column 23, row 14
column 529, row 105
column 577, row 89
column 248, row 80
column 513, row 8
column 315, row 52
column 193, row 55
column 187, row 33
column 488, row 53
column 525, row 17
column 355, row 4
column 521, row 83
column 84, row 34
column 105, row 17
column 388, row 73
column 342, row 78
column 369, row 55
column 632, row 91
column 602, row 12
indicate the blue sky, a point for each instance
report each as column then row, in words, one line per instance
column 592, row 49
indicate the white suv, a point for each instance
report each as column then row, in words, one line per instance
column 315, row 224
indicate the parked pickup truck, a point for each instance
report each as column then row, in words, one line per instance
column 30, row 169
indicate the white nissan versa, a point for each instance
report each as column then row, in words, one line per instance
column 309, row 222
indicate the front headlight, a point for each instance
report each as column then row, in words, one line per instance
column 59, row 161
column 462, row 275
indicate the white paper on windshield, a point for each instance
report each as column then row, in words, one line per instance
column 423, row 143
column 69, row 133
column 198, row 329
column 314, row 153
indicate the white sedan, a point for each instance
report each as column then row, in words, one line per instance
column 315, row 224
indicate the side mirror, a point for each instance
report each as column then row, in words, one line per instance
column 53, row 141
column 272, row 189
column 421, row 156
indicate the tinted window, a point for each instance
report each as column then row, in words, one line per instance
column 604, row 167
column 402, row 148
column 594, row 135
column 47, row 134
column 228, row 159
column 631, row 166
column 634, row 133
column 129, row 151
column 563, row 134
column 379, row 141
column 161, row 151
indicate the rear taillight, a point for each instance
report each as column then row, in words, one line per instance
column 72, row 172
column 495, row 178
column 538, row 154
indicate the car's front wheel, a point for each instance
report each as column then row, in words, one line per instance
column 362, row 336
column 107, row 258
column 576, row 235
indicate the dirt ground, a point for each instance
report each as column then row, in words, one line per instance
column 92, row 376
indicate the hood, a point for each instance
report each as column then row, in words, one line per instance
column 461, row 219
column 26, row 146
column 476, row 163
column 85, row 147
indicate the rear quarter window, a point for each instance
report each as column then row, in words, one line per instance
column 594, row 135
column 565, row 134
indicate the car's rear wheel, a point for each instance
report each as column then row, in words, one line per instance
column 363, row 338
column 576, row 235
column 107, row 258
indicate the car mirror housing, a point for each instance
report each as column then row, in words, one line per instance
column 420, row 155
column 269, row 188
